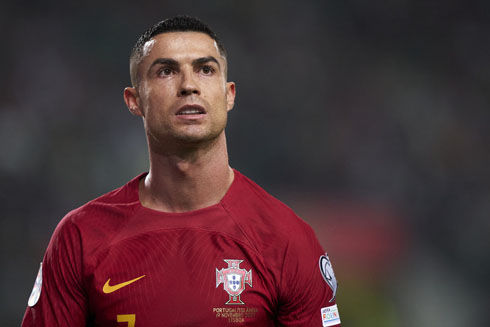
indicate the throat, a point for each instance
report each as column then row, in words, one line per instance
column 180, row 192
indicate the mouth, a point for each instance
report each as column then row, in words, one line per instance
column 191, row 109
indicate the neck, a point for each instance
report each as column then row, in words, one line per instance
column 188, row 180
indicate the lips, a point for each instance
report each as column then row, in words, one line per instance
column 191, row 109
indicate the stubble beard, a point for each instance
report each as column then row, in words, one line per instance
column 169, row 140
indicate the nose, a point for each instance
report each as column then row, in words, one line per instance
column 188, row 84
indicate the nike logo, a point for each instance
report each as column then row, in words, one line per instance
column 109, row 289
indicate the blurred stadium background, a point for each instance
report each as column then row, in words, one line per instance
column 370, row 119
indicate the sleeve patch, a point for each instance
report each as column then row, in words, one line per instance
column 330, row 316
column 36, row 291
column 328, row 275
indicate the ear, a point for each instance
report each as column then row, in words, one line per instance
column 230, row 95
column 131, row 99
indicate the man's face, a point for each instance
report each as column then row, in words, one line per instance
column 182, row 93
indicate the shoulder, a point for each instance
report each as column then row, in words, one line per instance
column 252, row 203
column 99, row 218
column 286, row 244
column 113, row 203
column 263, row 217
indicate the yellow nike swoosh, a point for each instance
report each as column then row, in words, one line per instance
column 109, row 289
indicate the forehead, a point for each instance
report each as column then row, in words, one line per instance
column 180, row 45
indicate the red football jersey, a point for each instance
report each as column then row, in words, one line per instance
column 246, row 261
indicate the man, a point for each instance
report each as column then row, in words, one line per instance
column 192, row 242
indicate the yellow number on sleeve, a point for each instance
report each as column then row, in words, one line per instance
column 130, row 319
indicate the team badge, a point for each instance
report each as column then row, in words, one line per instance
column 234, row 279
column 327, row 273
column 36, row 291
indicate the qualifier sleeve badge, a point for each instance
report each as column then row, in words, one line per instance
column 328, row 275
column 36, row 290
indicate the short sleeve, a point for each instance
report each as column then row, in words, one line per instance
column 308, row 285
column 58, row 298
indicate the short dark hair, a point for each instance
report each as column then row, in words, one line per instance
column 181, row 23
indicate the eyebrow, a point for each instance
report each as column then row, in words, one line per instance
column 164, row 61
column 174, row 63
column 203, row 60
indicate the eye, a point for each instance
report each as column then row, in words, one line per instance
column 207, row 70
column 165, row 71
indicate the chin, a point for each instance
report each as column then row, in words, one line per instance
column 190, row 136
column 196, row 138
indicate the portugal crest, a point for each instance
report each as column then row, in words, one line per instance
column 234, row 279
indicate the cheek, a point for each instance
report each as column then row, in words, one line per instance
column 157, row 98
column 217, row 93
column 158, row 90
